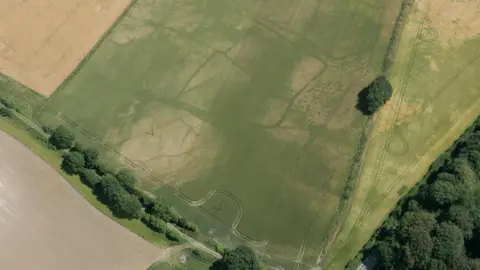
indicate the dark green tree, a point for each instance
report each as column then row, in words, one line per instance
column 127, row 206
column 388, row 254
column 89, row 178
column 173, row 235
column 419, row 247
column 5, row 112
column 127, row 179
column 103, row 168
column 73, row 162
column 187, row 225
column 146, row 199
column 62, row 138
column 163, row 211
column 240, row 258
column 460, row 216
column 473, row 157
column 436, row 264
column 447, row 177
column 7, row 102
column 109, row 189
column 78, row 147
column 91, row 158
column 154, row 223
column 437, row 225
column 122, row 203
column 416, row 222
column 374, row 96
column 443, row 193
column 448, row 243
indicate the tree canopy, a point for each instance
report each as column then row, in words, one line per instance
column 122, row 203
column 374, row 96
column 73, row 162
column 240, row 258
column 89, row 178
column 62, row 138
column 127, row 179
column 437, row 226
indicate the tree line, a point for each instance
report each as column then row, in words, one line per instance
column 117, row 189
column 437, row 225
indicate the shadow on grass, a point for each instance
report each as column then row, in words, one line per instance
column 362, row 103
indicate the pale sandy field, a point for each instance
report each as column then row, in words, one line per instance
column 46, row 225
column 42, row 41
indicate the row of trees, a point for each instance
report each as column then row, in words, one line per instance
column 437, row 226
column 116, row 188
column 240, row 258
column 118, row 191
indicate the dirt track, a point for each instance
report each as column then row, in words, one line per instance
column 41, row 42
column 45, row 224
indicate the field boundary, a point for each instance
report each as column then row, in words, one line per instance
column 362, row 211
column 396, row 35
column 87, row 57
column 23, row 135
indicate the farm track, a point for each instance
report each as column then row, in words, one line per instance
column 394, row 129
column 334, row 232
column 363, row 210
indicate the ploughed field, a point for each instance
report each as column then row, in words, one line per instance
column 46, row 224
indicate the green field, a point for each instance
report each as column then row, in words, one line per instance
column 244, row 110
column 435, row 77
column 242, row 114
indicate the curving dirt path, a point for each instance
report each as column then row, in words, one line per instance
column 46, row 224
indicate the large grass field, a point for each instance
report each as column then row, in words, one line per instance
column 246, row 109
column 243, row 110
column 435, row 77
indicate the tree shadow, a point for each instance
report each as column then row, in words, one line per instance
column 362, row 103
column 218, row 265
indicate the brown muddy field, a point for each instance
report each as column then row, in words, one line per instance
column 46, row 224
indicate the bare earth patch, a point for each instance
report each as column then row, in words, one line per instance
column 46, row 224
column 41, row 42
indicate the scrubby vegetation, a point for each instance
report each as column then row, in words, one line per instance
column 437, row 226
column 397, row 31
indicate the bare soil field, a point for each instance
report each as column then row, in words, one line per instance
column 45, row 224
column 41, row 42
